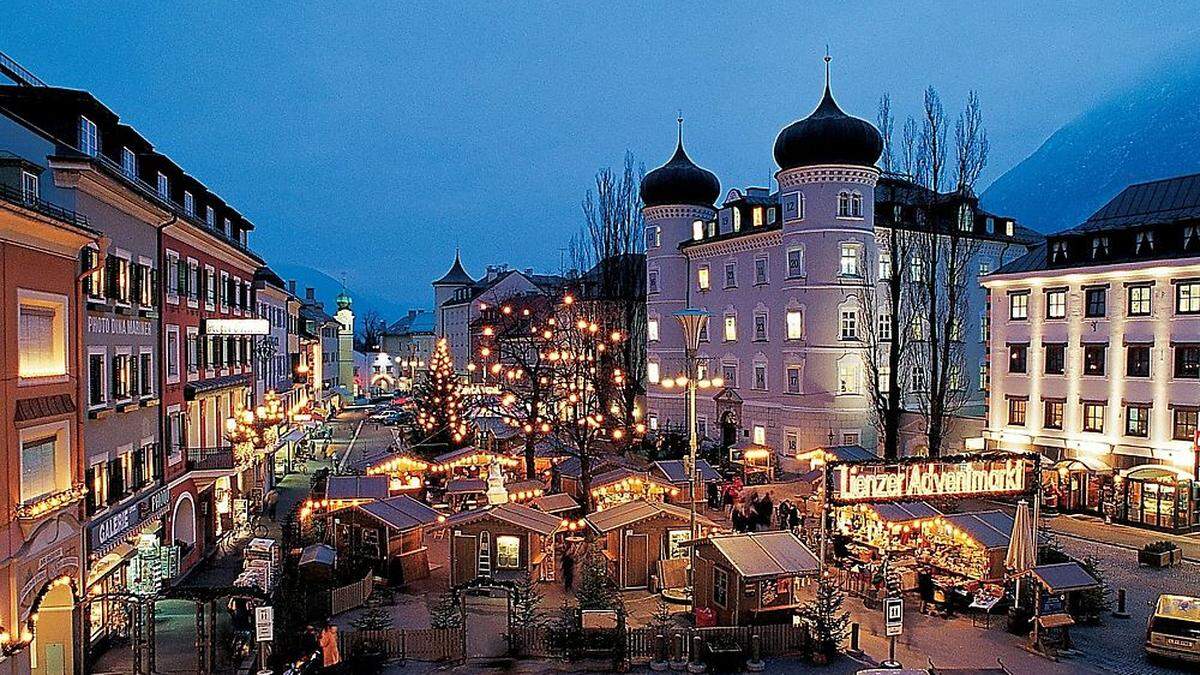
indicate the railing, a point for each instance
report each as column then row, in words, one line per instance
column 18, row 197
column 425, row 644
column 351, row 596
column 205, row 459
column 641, row 644
column 18, row 72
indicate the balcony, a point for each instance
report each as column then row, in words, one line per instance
column 15, row 196
column 210, row 459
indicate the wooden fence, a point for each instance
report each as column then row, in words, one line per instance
column 424, row 644
column 351, row 595
column 641, row 643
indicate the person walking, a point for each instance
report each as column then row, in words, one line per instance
column 568, row 569
column 331, row 657
column 272, row 503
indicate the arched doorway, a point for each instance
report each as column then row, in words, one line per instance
column 53, row 622
column 729, row 428
column 183, row 521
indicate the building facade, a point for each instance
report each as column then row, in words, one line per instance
column 409, row 343
column 1095, row 355
column 786, row 277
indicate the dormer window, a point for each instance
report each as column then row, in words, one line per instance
column 210, row 216
column 1060, row 252
column 1009, row 228
column 771, row 215
column 966, row 219
column 128, row 163
column 1099, row 247
column 89, row 138
column 757, row 214
column 29, row 187
column 897, row 211
column 991, row 225
column 228, row 227
column 737, row 220
column 189, row 203
column 697, row 230
column 1191, row 237
column 1144, row 243
column 162, row 186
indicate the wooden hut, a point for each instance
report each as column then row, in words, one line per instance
column 342, row 491
column 466, row 493
column 390, row 533
column 746, row 579
column 557, row 504
column 566, row 474
column 639, row 536
column 674, row 471
column 621, row 485
column 501, row 542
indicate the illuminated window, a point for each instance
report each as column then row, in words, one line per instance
column 508, row 552
column 1018, row 306
column 795, row 324
column 41, row 334
column 1016, row 411
column 1009, row 228
column 850, row 266
column 985, row 268
column 89, row 139
column 1139, row 300
column 916, row 268
column 885, row 265
column 45, row 465
column 757, row 215
column 1093, row 417
column 652, row 329
column 1187, row 297
column 760, row 435
column 1137, row 420
column 1052, row 414
column 1056, row 304
column 849, row 324
column 737, row 220
column 652, row 421
column 697, row 230
column 917, row 327
column 848, row 376
column 652, row 372
column 702, row 278
column 675, row 541
column 730, row 327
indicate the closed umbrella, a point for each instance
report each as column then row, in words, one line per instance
column 1021, row 555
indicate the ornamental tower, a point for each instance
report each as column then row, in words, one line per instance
column 827, row 179
column 345, row 319
column 674, row 197
column 443, row 289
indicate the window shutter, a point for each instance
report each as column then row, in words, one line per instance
column 154, row 288
column 135, row 382
column 137, row 282
column 181, row 277
column 110, row 274
column 114, row 377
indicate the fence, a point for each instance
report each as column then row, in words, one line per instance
column 351, row 595
column 424, row 644
column 641, row 643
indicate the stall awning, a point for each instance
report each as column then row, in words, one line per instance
column 990, row 529
column 292, row 436
column 1065, row 577
column 1085, row 463
column 357, row 487
column 903, row 512
column 766, row 554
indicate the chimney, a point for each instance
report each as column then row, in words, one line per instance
column 292, row 286
column 310, row 294
column 528, row 271
column 412, row 313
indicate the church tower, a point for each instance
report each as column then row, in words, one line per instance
column 345, row 319
column 445, row 288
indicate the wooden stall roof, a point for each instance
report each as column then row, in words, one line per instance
column 622, row 473
column 525, row 485
column 624, row 515
column 464, row 486
column 673, row 470
column 1065, row 577
column 903, row 512
column 459, row 454
column 513, row 514
column 401, row 513
column 839, row 453
column 357, row 487
column 570, row 468
column 555, row 503
column 766, row 554
column 990, row 529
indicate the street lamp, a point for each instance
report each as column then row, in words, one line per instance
column 692, row 321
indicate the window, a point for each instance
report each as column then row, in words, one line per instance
column 757, row 216
column 885, row 265
column 737, row 219
column 1137, row 361
column 985, row 268
column 983, row 376
column 1137, row 420
column 799, row 205
column 917, row 327
column 991, row 225
column 849, row 260
column 1139, row 300
column 675, row 543
column 966, row 219
column 885, row 378
column 172, row 354
column 128, row 163
column 916, row 378
column 1056, row 359
column 209, row 216
column 849, row 324
column 795, row 263
column 653, row 237
column 44, row 465
column 652, row 281
column 1099, row 247
column 759, row 435
column 916, row 268
column 760, row 327
column 1095, row 302
column 1018, row 358
column 702, row 278
column 697, row 230
column 1186, row 421
column 41, row 334
column 760, row 376
column 1187, row 297
column 1016, row 411
column 1144, row 243
column 193, row 351
column 760, row 271
column 162, row 186
column 29, row 187
column 1093, row 417
column 1093, row 359
column 793, row 379
column 1018, row 306
column 1056, row 304
column 210, row 287
column 652, row 329
column 1059, row 252
column 791, row 443
column 729, row 373
column 1009, row 228
column 652, row 372
column 795, row 324
column 848, row 376
column 884, row 329
column 89, row 140
column 720, row 587
column 730, row 275
column 1052, row 415
column 843, row 205
column 147, row 374
column 730, row 327
column 1187, row 361
column 704, row 332
column 96, row 380
column 508, row 552
column 189, row 203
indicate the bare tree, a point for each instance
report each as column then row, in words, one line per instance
column 373, row 327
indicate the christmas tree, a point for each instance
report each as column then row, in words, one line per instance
column 829, row 623
column 526, row 602
column 439, row 401
column 596, row 589
column 446, row 613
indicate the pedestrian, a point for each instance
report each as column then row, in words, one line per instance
column 714, row 495
column 272, row 503
column 331, row 657
column 794, row 518
column 568, row 569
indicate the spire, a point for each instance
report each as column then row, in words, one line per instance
column 828, row 58
column 679, row 121
column 828, row 105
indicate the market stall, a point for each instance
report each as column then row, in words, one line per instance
column 817, row 458
column 747, row 579
column 501, row 542
column 1056, row 586
column 471, row 462
column 755, row 462
column 618, row 486
column 639, row 535
column 674, row 471
column 388, row 533
column 558, row 504
column 406, row 473
column 465, row 493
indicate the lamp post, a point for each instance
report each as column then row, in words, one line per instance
column 692, row 321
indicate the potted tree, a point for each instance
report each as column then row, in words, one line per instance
column 1160, row 554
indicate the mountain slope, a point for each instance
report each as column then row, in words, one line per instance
column 326, row 288
column 1150, row 130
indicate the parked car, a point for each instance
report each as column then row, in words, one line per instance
column 1173, row 631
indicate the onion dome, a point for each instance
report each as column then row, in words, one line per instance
column 828, row 136
column 343, row 300
column 456, row 275
column 680, row 181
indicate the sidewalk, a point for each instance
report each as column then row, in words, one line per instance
column 1095, row 529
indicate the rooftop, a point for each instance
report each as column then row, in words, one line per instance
column 766, row 554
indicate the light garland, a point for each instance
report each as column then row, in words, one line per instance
column 52, row 502
column 10, row 644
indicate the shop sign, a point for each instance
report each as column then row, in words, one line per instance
column 264, row 623
column 154, row 565
column 118, row 325
column 926, row 479
column 893, row 614
column 235, row 327
column 110, row 530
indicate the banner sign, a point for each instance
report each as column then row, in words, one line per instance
column 235, row 327
column 850, row 483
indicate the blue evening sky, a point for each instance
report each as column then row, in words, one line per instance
column 371, row 139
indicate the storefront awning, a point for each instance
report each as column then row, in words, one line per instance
column 1155, row 472
column 1084, row 463
column 213, row 384
column 1065, row 577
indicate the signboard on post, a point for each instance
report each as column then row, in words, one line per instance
column 893, row 615
column 264, row 623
